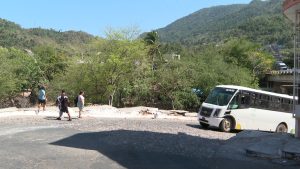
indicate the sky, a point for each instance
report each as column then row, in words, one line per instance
column 96, row 16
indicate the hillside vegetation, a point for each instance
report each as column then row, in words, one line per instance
column 259, row 21
column 13, row 35
column 170, row 69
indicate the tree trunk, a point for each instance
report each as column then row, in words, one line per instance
column 33, row 97
column 173, row 107
column 111, row 98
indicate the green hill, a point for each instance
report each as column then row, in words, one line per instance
column 13, row 35
column 260, row 21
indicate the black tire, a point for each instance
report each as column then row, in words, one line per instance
column 281, row 128
column 226, row 125
column 204, row 125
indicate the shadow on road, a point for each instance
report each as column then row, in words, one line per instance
column 50, row 118
column 197, row 126
column 55, row 118
column 150, row 150
column 146, row 150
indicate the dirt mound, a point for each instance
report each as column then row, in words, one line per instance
column 19, row 102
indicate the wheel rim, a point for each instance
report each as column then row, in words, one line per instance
column 281, row 129
column 227, row 124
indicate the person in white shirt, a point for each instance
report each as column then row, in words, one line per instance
column 80, row 103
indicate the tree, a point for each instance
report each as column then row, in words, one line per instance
column 21, row 72
column 50, row 61
column 209, row 69
column 152, row 41
column 173, row 86
column 249, row 55
column 112, row 63
column 8, row 80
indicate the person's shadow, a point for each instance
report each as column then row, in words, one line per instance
column 54, row 118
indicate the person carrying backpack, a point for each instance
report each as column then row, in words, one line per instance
column 63, row 103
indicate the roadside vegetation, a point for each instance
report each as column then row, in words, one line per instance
column 133, row 71
column 174, row 67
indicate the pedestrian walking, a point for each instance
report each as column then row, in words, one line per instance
column 42, row 99
column 80, row 103
column 63, row 103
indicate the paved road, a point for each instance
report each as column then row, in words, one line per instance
column 51, row 144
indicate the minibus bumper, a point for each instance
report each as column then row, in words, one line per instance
column 211, row 121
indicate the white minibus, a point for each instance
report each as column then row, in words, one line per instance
column 235, row 107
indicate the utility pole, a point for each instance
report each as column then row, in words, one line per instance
column 291, row 9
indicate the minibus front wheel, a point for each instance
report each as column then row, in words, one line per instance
column 226, row 124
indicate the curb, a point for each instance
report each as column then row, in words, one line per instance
column 276, row 147
column 254, row 153
column 291, row 155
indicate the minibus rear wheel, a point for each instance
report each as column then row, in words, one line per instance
column 281, row 128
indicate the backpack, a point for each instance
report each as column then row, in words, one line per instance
column 75, row 101
column 62, row 101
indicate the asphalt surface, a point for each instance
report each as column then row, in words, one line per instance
column 47, row 144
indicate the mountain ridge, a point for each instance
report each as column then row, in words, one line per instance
column 13, row 35
column 216, row 24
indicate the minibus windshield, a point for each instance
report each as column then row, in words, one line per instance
column 220, row 96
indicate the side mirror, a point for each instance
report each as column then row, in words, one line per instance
column 227, row 112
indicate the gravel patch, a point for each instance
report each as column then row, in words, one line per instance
column 181, row 137
column 89, row 124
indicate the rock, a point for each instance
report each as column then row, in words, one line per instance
column 19, row 102
column 22, row 102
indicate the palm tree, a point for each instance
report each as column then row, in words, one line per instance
column 152, row 40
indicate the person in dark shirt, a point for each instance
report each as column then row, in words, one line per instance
column 63, row 103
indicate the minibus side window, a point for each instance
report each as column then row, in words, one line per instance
column 234, row 104
column 245, row 100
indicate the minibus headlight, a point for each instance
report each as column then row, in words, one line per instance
column 217, row 112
